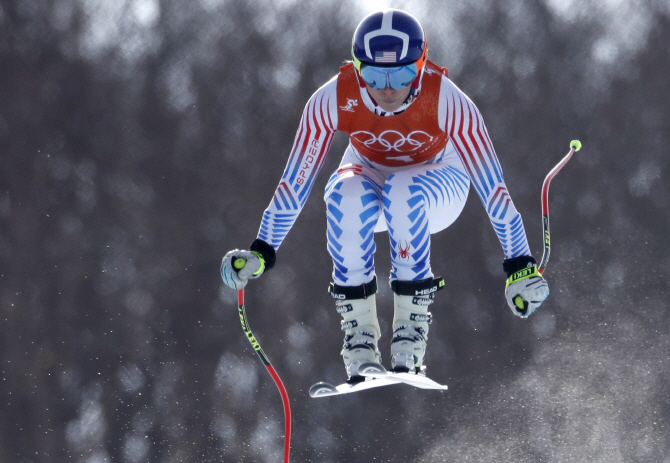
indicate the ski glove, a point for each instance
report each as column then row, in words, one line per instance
column 251, row 265
column 526, row 289
column 238, row 267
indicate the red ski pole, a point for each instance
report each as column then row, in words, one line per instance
column 239, row 263
column 575, row 145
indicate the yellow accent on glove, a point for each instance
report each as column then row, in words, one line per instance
column 518, row 301
column 522, row 274
column 261, row 269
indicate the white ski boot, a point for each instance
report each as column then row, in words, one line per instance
column 411, row 321
column 358, row 308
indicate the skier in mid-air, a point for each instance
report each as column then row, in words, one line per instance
column 416, row 143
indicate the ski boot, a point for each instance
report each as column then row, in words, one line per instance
column 357, row 305
column 410, row 323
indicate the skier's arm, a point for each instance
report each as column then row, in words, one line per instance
column 526, row 289
column 312, row 142
column 465, row 127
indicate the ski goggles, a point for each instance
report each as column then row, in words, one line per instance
column 380, row 78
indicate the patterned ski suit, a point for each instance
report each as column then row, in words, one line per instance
column 408, row 173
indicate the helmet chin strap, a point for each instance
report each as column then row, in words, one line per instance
column 417, row 82
column 416, row 87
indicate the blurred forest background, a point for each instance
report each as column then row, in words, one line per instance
column 142, row 139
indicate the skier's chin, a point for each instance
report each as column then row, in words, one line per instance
column 390, row 105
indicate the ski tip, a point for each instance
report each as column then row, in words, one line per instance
column 322, row 390
column 371, row 369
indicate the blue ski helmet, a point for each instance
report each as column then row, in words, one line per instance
column 389, row 38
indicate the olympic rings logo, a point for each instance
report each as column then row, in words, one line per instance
column 392, row 140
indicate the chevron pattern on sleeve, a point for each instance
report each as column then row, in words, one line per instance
column 312, row 142
column 467, row 131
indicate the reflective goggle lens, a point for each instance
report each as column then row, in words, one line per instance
column 397, row 77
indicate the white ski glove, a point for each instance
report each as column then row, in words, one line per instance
column 240, row 266
column 526, row 289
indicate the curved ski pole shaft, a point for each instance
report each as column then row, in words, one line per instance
column 271, row 370
column 575, row 145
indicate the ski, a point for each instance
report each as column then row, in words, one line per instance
column 377, row 371
column 375, row 376
column 326, row 389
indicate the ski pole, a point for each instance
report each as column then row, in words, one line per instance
column 238, row 264
column 575, row 145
